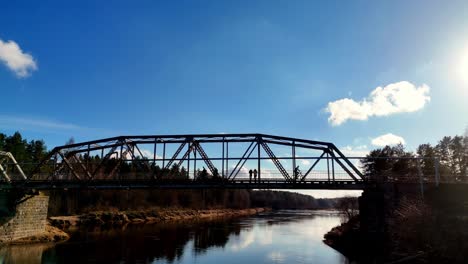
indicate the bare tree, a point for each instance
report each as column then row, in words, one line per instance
column 348, row 207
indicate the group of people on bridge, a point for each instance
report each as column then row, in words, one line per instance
column 255, row 173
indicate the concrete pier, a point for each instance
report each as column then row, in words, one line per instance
column 22, row 215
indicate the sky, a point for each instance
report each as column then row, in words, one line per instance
column 360, row 74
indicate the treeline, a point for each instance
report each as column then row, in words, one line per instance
column 69, row 202
column 289, row 200
column 27, row 153
column 449, row 156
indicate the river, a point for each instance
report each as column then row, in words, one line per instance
column 272, row 237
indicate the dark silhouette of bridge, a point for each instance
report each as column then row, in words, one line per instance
column 190, row 161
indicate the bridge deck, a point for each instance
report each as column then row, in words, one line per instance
column 184, row 184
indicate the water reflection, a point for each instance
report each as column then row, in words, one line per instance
column 277, row 237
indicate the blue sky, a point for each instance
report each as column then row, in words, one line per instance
column 93, row 69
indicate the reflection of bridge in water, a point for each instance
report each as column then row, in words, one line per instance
column 179, row 161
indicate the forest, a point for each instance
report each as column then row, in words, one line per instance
column 449, row 157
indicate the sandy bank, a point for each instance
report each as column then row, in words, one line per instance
column 51, row 234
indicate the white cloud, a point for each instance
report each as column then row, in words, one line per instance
column 22, row 64
column 9, row 122
column 387, row 139
column 305, row 162
column 355, row 151
column 400, row 97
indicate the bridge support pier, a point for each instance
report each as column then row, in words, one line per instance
column 22, row 215
column 372, row 208
column 372, row 211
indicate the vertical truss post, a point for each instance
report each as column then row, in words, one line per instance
column 227, row 158
column 294, row 160
column 188, row 160
column 328, row 166
column 154, row 152
column 88, row 158
column 333, row 169
column 53, row 174
column 164, row 155
column 194, row 164
column 222, row 161
column 258, row 161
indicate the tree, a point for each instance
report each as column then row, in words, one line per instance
column 70, row 141
column 388, row 163
column 2, row 141
column 17, row 146
column 443, row 152
column 428, row 155
column 348, row 207
column 202, row 175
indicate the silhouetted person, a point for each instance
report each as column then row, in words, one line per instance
column 250, row 175
column 255, row 175
column 296, row 173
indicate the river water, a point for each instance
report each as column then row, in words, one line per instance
column 272, row 237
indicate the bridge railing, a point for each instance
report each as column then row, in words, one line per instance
column 379, row 169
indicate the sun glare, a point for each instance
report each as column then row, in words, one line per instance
column 462, row 69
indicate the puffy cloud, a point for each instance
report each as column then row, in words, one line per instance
column 355, row 151
column 22, row 64
column 387, row 139
column 400, row 97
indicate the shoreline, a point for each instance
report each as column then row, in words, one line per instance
column 141, row 217
column 59, row 228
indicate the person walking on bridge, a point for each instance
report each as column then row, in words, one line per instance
column 250, row 175
column 296, row 173
column 255, row 175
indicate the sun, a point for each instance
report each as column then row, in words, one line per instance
column 462, row 67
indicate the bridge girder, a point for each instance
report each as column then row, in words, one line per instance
column 73, row 160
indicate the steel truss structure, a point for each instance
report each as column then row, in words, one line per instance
column 99, row 163
column 5, row 158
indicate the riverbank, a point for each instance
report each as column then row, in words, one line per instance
column 58, row 226
column 50, row 234
column 121, row 218
column 345, row 238
column 433, row 230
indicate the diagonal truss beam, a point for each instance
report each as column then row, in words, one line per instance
column 243, row 160
column 206, row 159
column 313, row 166
column 275, row 160
column 70, row 167
column 343, row 166
column 174, row 157
column 5, row 156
